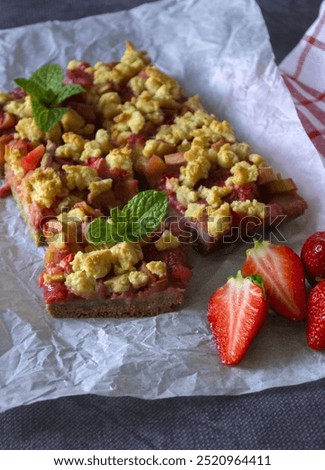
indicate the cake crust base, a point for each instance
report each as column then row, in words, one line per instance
column 145, row 306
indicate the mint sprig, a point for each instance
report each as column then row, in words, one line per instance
column 138, row 218
column 47, row 91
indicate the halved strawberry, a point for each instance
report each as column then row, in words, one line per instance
column 236, row 313
column 315, row 323
column 284, row 277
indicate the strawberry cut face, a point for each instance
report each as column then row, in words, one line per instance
column 236, row 313
column 284, row 278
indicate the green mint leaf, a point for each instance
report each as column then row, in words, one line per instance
column 139, row 217
column 31, row 87
column 115, row 214
column 46, row 118
column 148, row 208
column 45, row 96
column 101, row 231
column 49, row 77
column 47, row 91
column 67, row 91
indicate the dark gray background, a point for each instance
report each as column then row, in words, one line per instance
column 282, row 418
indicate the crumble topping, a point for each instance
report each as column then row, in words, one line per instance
column 43, row 186
column 219, row 220
column 81, row 284
column 96, row 264
column 157, row 267
column 72, row 147
column 195, row 211
column 249, row 208
column 100, row 146
column 27, row 129
column 79, row 176
column 243, row 173
column 138, row 279
column 21, row 107
column 167, row 241
column 120, row 159
column 118, row 284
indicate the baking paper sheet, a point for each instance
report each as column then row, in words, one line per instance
column 221, row 51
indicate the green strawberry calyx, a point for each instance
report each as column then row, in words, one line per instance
column 256, row 279
column 257, row 246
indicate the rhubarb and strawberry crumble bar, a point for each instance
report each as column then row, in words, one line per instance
column 130, row 129
column 126, row 278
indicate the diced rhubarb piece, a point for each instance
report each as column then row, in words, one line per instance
column 175, row 158
column 100, row 165
column 280, row 186
column 153, row 169
column 33, row 158
column 266, row 174
column 174, row 161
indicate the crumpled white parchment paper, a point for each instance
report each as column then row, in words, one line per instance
column 221, row 51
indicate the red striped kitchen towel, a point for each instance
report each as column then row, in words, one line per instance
column 304, row 73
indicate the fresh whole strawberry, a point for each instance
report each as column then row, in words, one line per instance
column 284, row 277
column 315, row 323
column 236, row 313
column 313, row 257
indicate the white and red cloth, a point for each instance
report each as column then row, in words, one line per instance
column 304, row 73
